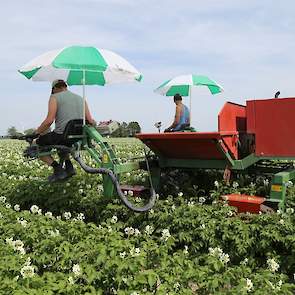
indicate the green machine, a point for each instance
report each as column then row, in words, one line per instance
column 86, row 138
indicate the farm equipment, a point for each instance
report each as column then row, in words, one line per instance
column 78, row 137
column 256, row 138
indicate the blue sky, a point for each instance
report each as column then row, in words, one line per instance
column 246, row 46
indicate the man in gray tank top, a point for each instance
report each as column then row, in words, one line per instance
column 63, row 107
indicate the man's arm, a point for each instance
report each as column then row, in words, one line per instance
column 52, row 109
column 176, row 118
column 88, row 115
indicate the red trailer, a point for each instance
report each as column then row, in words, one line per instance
column 248, row 137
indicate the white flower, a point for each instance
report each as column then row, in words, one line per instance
column 230, row 213
column 80, row 191
column 49, row 214
column 67, row 215
column 173, row 207
column 180, row 194
column 123, row 254
column 224, row 258
column 185, row 251
column 272, row 265
column 282, row 221
column 202, row 200
column 114, row 219
column 191, row 203
column 22, row 222
column 2, row 199
column 17, row 245
column 152, row 211
column 244, row 262
column 129, row 231
column 266, row 182
column 34, row 209
column 289, row 183
column 218, row 253
column 81, row 216
column 235, row 184
column 130, row 193
column 176, row 286
column 136, row 232
column 54, row 233
column 203, row 226
column 71, row 280
column 289, row 210
column 76, row 270
column 249, row 285
column 16, row 207
column 149, row 229
column 165, row 234
column 138, row 199
column 27, row 271
column 216, row 184
column 9, row 241
column 134, row 252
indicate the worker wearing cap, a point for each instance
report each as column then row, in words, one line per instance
column 182, row 116
column 63, row 106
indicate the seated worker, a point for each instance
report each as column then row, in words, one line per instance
column 63, row 106
column 182, row 116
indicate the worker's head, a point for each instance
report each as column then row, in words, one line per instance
column 177, row 98
column 58, row 86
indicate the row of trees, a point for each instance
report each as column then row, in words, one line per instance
column 127, row 129
column 124, row 130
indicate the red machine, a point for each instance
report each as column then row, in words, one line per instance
column 257, row 136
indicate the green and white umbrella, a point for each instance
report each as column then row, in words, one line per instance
column 100, row 67
column 183, row 84
column 81, row 65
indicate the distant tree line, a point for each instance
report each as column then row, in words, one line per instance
column 127, row 129
column 13, row 132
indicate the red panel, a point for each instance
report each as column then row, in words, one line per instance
column 272, row 121
column 184, row 145
column 232, row 117
column 244, row 203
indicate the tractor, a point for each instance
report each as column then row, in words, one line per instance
column 256, row 137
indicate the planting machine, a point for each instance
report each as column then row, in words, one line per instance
column 258, row 137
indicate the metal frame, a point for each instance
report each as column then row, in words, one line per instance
column 106, row 158
column 279, row 179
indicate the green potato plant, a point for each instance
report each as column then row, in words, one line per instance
column 67, row 238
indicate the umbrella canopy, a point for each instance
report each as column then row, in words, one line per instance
column 182, row 85
column 81, row 65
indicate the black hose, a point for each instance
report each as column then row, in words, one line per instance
column 124, row 199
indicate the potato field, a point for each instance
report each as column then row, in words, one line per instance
column 66, row 238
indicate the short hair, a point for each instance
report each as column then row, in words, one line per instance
column 177, row 97
column 60, row 84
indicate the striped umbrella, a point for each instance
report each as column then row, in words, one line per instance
column 183, row 84
column 81, row 65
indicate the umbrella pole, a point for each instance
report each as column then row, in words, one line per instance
column 190, row 103
column 84, row 99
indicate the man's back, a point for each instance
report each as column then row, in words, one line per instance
column 69, row 107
